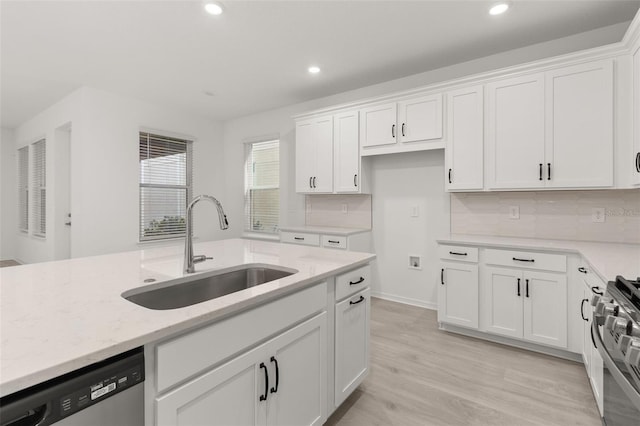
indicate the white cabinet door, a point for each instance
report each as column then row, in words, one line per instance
column 227, row 394
column 305, row 156
column 515, row 132
column 597, row 378
column 503, row 293
column 636, row 118
column 420, row 119
column 545, row 308
column 352, row 344
column 298, row 375
column 585, row 312
column 458, row 294
column 346, row 152
column 579, row 123
column 465, row 136
column 378, row 125
column 323, row 139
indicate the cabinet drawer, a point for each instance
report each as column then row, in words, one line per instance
column 352, row 282
column 334, row 241
column 197, row 351
column 526, row 259
column 465, row 254
column 303, row 238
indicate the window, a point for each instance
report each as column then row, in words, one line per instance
column 262, row 186
column 39, row 188
column 165, row 186
column 23, row 189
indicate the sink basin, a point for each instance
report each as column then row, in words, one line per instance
column 187, row 291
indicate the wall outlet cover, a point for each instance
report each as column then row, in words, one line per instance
column 345, row 208
column 597, row 214
column 514, row 212
column 415, row 211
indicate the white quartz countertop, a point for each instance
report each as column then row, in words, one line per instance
column 607, row 259
column 324, row 230
column 56, row 317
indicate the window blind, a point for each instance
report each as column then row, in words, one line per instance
column 165, row 186
column 39, row 188
column 23, row 189
column 262, row 186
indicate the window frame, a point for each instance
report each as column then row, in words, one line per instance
column 23, row 187
column 249, row 187
column 39, row 188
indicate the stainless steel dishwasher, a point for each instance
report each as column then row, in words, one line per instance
column 107, row 393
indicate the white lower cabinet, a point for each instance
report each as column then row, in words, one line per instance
column 529, row 305
column 458, row 294
column 593, row 362
column 281, row 382
column 351, row 343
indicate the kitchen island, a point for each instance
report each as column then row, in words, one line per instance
column 59, row 316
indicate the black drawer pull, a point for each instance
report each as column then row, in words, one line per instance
column 449, row 175
column 314, row 181
column 548, row 171
column 357, row 301
column 310, row 179
column 442, row 276
column 402, row 129
column 597, row 290
column 518, row 287
column 524, row 260
column 540, row 171
column 457, row 253
column 266, row 382
column 393, row 131
column 638, row 162
column 333, row 241
column 582, row 309
column 355, row 180
column 582, row 269
column 527, row 287
column 357, row 282
column 275, row 389
column 298, row 238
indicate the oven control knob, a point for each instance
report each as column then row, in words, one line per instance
column 603, row 310
column 618, row 325
column 595, row 300
column 633, row 353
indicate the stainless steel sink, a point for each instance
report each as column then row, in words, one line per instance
column 190, row 290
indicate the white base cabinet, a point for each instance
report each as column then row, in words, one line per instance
column 636, row 118
column 458, row 289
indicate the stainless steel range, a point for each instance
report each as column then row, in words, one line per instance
column 616, row 334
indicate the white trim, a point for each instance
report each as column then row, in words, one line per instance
column 264, row 138
column 632, row 35
column 166, row 133
column 405, row 300
column 261, row 236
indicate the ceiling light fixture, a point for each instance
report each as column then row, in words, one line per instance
column 213, row 8
column 314, row 69
column 499, row 9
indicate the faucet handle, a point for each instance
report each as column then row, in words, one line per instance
column 201, row 258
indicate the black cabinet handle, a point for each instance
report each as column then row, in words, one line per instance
column 592, row 339
column 540, row 171
column 393, row 130
column 356, row 282
column 275, row 389
column 266, row 382
column 355, row 180
column 402, row 129
column 442, row 276
column 638, row 162
column 526, row 283
column 518, row 287
column 314, row 181
column 582, row 269
column 548, row 171
column 310, row 178
column 357, row 301
column 449, row 175
column 582, row 309
column 524, row 260
column 298, row 238
column 597, row 290
column 333, row 241
column 457, row 254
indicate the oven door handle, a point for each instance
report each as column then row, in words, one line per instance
column 620, row 379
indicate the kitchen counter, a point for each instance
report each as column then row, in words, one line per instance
column 606, row 259
column 324, row 230
column 56, row 317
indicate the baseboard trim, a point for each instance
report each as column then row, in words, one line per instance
column 406, row 300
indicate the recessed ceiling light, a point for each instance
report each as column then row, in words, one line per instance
column 213, row 8
column 499, row 9
column 314, row 69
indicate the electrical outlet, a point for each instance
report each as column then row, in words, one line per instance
column 345, row 208
column 415, row 211
column 597, row 214
column 514, row 212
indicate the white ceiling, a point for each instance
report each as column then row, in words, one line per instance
column 254, row 57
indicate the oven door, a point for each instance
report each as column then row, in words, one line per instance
column 621, row 398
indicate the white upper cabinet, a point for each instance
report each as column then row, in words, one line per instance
column 579, row 117
column 515, row 132
column 636, row 117
column 465, row 136
column 314, row 155
column 378, row 125
column 420, row 119
column 346, row 149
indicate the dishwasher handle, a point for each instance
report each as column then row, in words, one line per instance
column 31, row 417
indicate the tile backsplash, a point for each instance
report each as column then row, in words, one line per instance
column 328, row 210
column 560, row 215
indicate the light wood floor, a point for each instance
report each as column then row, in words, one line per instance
column 423, row 376
column 4, row 263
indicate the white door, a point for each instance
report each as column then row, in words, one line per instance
column 458, row 294
column 230, row 394
column 545, row 308
column 636, row 118
column 579, row 139
column 298, row 375
column 62, row 186
column 305, row 156
column 352, row 343
column 420, row 119
column 585, row 312
column 515, row 133
column 465, row 139
column 378, row 125
column 323, row 140
column 346, row 160
column 503, row 290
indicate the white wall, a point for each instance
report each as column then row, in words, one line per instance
column 8, row 209
column 104, row 170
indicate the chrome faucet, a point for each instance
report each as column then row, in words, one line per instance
column 189, row 259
